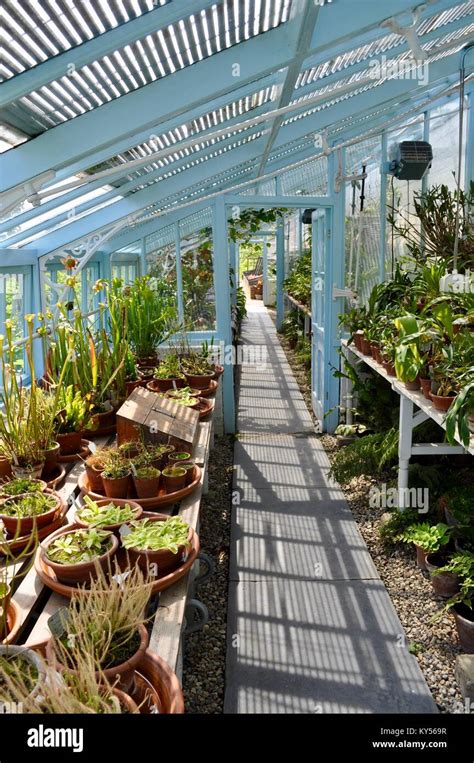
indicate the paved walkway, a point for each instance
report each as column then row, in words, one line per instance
column 311, row 627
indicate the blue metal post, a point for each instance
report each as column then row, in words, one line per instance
column 469, row 170
column 36, row 308
column 280, row 271
column 179, row 276
column 233, row 266
column 223, row 313
column 383, row 208
column 143, row 260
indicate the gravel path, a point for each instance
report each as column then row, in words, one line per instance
column 205, row 651
column 435, row 645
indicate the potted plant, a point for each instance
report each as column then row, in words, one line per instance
column 444, row 394
column 177, row 456
column 445, row 583
column 18, row 486
column 189, row 466
column 408, row 360
column 19, row 662
column 21, row 514
column 163, row 542
column 347, row 433
column 116, row 477
column 147, row 481
column 94, row 466
column 460, row 417
column 174, row 478
column 159, row 454
column 427, row 539
column 197, row 370
column 72, row 419
column 461, row 564
column 183, row 393
column 168, row 375
column 108, row 625
column 107, row 515
column 76, row 555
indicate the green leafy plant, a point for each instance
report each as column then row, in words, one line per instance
column 79, row 546
column 30, row 505
column 428, row 537
column 368, row 455
column 461, row 564
column 75, row 412
column 169, row 368
column 150, row 535
column 147, row 473
column 21, row 485
column 104, row 516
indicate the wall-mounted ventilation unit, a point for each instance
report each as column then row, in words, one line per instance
column 411, row 159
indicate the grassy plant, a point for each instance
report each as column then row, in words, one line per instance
column 31, row 505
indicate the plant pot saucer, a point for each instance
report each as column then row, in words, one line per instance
column 211, row 390
column 159, row 501
column 56, row 477
column 20, row 543
column 13, row 623
column 205, row 407
column 83, row 453
column 49, row 578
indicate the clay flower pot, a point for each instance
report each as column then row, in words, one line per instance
column 441, row 403
column 414, row 385
column 116, row 488
column 218, row 371
column 147, row 487
column 420, row 558
column 375, row 351
column 69, row 443
column 389, row 367
column 199, row 381
column 75, row 574
column 122, row 676
column 51, row 459
column 174, row 478
column 161, row 461
column 94, row 477
column 426, row 387
column 146, row 373
column 365, row 346
column 41, row 486
column 189, row 466
column 18, row 526
column 445, row 584
column 131, row 385
column 5, row 468
column 147, row 361
column 464, row 618
column 137, row 512
column 163, row 385
column 105, row 418
column 164, row 559
column 356, row 337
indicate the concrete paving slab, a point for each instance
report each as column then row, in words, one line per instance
column 319, row 647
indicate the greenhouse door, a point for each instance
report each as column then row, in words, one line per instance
column 320, row 312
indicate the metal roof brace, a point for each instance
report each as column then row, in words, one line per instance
column 339, row 178
column 409, row 31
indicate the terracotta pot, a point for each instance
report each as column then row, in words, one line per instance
column 389, row 367
column 147, row 487
column 365, row 346
column 5, row 468
column 75, row 574
column 94, row 476
column 414, row 385
column 121, row 676
column 131, row 385
column 33, row 472
column 199, row 381
column 164, row 560
column 146, row 373
column 106, row 418
column 426, row 387
column 147, row 360
column 69, row 443
column 375, row 350
column 51, row 458
column 446, row 584
column 126, row 702
column 173, row 483
column 137, row 512
column 22, row 526
column 420, row 558
column 441, row 403
column 219, row 370
column 357, row 337
column 116, row 488
column 465, row 627
column 163, row 385
column 189, row 466
column 160, row 462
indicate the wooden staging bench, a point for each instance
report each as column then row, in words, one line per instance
column 37, row 603
column 409, row 418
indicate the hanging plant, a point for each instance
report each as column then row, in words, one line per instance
column 242, row 228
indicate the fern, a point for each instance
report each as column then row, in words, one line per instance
column 368, row 455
